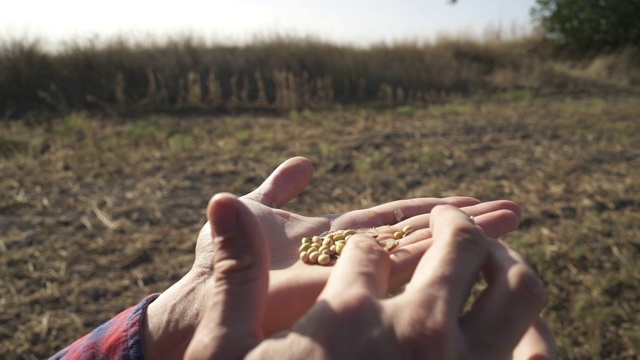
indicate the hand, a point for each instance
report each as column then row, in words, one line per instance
column 353, row 319
column 294, row 286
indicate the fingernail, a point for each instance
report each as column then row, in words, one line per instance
column 224, row 222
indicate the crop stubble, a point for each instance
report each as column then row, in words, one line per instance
column 96, row 213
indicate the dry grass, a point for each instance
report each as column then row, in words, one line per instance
column 97, row 212
column 186, row 74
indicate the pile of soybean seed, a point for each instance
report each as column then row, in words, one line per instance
column 322, row 248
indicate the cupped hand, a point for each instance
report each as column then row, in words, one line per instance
column 293, row 285
column 353, row 318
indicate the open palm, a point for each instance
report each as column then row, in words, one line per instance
column 294, row 286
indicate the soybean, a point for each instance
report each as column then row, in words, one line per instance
column 313, row 257
column 304, row 247
column 322, row 248
column 324, row 259
column 304, row 256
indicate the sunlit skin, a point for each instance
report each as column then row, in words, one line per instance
column 293, row 285
column 353, row 318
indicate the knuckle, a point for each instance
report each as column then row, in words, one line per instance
column 426, row 334
column 358, row 309
column 357, row 301
column 431, row 341
column 529, row 285
column 468, row 238
column 363, row 244
column 240, row 270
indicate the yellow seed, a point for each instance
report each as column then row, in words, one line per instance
column 321, row 248
column 304, row 256
column 304, row 247
column 313, row 257
column 389, row 247
column 324, row 259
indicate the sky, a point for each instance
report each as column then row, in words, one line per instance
column 356, row 22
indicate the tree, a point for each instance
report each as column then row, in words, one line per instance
column 590, row 25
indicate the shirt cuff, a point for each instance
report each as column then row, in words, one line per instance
column 118, row 338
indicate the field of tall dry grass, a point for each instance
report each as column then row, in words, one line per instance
column 276, row 74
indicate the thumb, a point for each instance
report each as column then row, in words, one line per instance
column 232, row 314
column 285, row 183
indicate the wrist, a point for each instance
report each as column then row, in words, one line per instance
column 170, row 321
column 151, row 332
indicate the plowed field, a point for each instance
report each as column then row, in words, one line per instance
column 97, row 212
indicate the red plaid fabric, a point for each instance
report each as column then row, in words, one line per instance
column 119, row 338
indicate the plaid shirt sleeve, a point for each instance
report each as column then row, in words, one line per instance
column 119, row 338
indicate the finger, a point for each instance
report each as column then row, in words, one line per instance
column 363, row 267
column 511, row 302
column 501, row 218
column 394, row 212
column 497, row 223
column 232, row 316
column 405, row 258
column 536, row 344
column 416, row 214
column 286, row 182
column 491, row 206
column 452, row 264
column 496, row 218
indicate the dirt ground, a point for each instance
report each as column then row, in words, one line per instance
column 95, row 213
